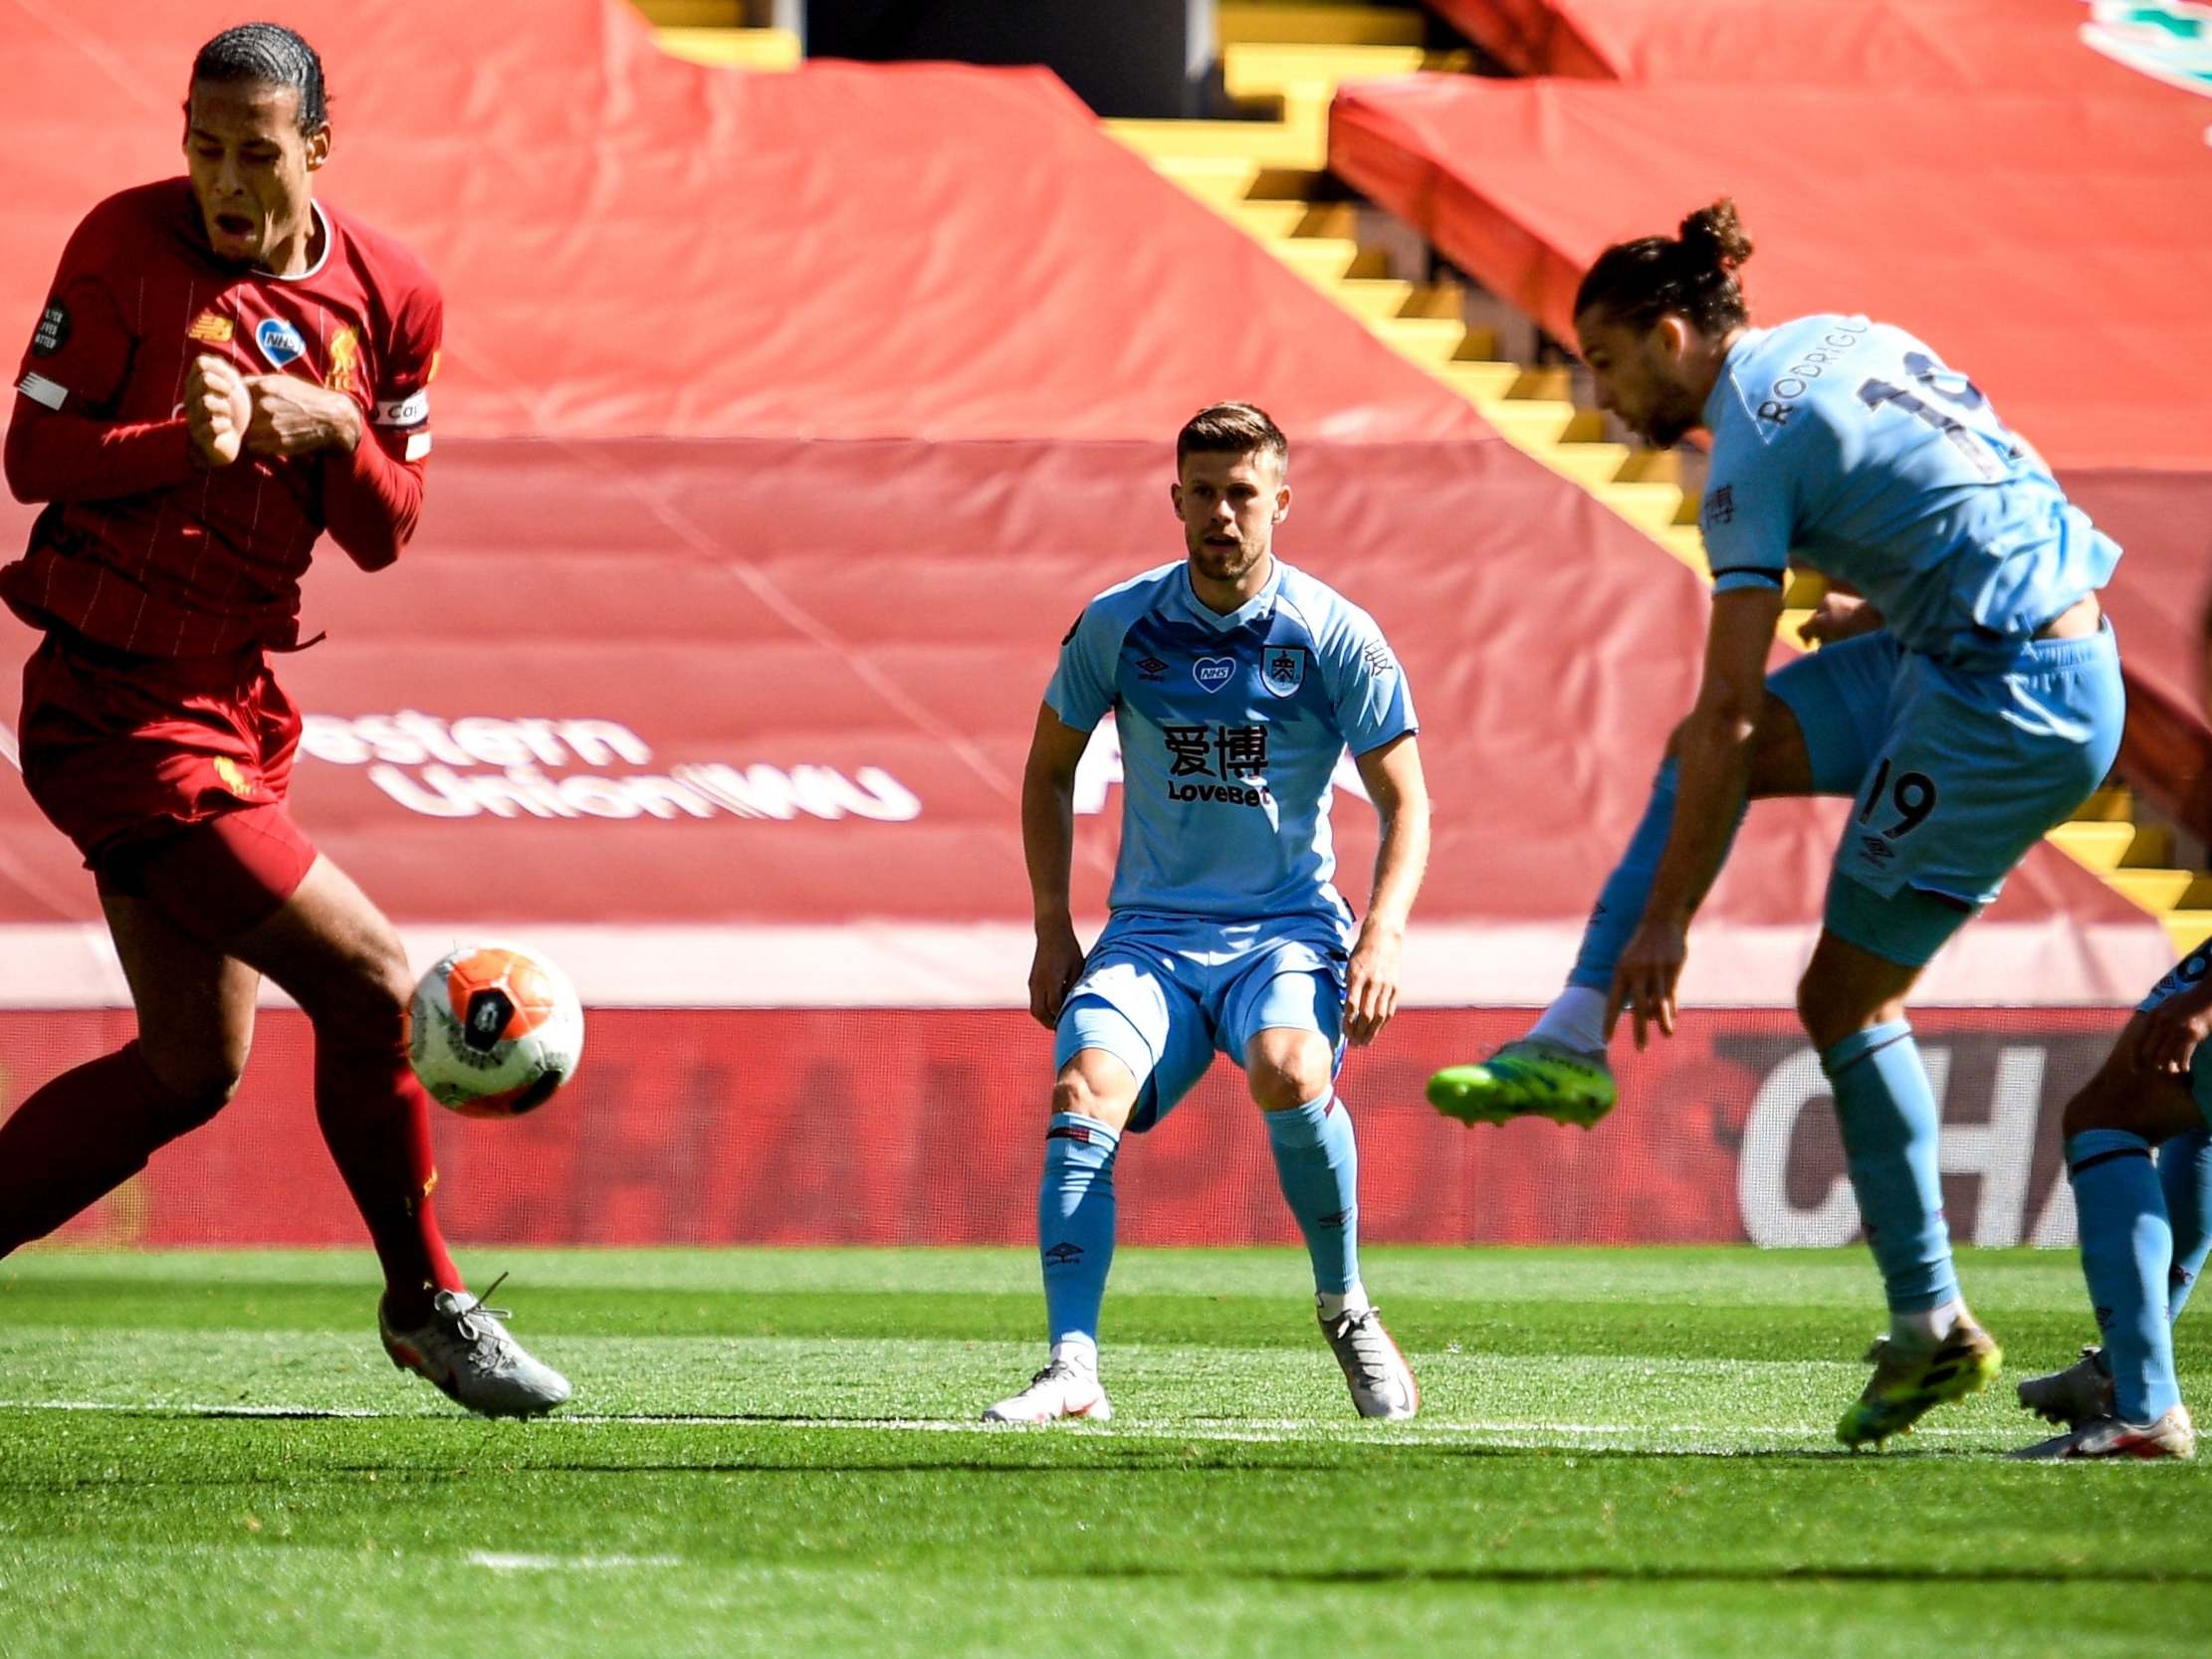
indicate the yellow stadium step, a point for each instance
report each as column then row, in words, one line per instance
column 693, row 14
column 1327, row 260
column 2188, row 929
column 2156, row 890
column 2095, row 846
column 1272, row 69
column 1301, row 141
column 1479, row 382
column 751, row 48
column 2112, row 804
column 1268, row 221
column 1431, row 341
column 1260, row 175
column 1317, row 22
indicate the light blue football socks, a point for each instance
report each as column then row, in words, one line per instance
column 1889, row 1118
column 2126, row 1254
column 1076, row 1231
column 2185, row 1175
column 1620, row 908
column 1318, row 1164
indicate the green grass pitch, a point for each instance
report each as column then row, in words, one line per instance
column 774, row 1452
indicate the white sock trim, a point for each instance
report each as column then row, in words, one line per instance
column 1574, row 1019
column 1926, row 1327
column 1331, row 1305
column 1079, row 1351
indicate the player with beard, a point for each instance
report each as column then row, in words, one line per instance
column 1967, row 698
column 1236, row 683
column 225, row 370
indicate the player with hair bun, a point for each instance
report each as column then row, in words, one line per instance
column 225, row 370
column 1967, row 698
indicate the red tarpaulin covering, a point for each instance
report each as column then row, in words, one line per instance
column 2020, row 44
column 1973, row 171
column 2054, row 245
column 786, row 423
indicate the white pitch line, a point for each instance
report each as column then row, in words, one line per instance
column 1252, row 1431
column 499, row 1562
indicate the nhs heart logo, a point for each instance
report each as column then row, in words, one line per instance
column 280, row 342
column 1214, row 672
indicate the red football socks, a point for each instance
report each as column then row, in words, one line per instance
column 82, row 1136
column 375, row 1118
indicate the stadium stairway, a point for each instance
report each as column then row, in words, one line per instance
column 1283, row 63
column 1268, row 174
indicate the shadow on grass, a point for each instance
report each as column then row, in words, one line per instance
column 1661, row 1574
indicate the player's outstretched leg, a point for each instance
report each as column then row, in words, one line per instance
column 2127, row 1261
column 341, row 961
column 1075, row 1241
column 1559, row 1071
column 84, row 1133
column 87, row 1131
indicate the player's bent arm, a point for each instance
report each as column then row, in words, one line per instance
column 68, row 458
column 1392, row 776
column 371, row 501
column 1714, row 750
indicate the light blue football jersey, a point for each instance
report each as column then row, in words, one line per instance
column 1230, row 728
column 1850, row 444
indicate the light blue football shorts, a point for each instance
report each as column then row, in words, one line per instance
column 1164, row 994
column 2188, row 972
column 1955, row 774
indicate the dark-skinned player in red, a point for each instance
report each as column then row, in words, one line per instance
column 226, row 370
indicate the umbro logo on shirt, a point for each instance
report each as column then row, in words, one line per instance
column 1151, row 668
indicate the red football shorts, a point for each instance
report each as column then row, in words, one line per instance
column 149, row 763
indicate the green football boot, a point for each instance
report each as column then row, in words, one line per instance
column 1532, row 1078
column 1910, row 1382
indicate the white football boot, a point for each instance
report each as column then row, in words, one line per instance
column 2172, row 1435
column 1058, row 1392
column 2074, row 1396
column 1382, row 1382
column 467, row 1353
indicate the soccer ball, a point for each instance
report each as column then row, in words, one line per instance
column 494, row 1030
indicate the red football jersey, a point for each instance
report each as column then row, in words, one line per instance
column 145, row 550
